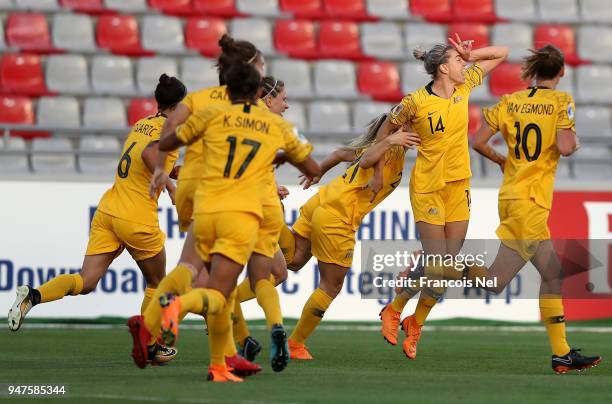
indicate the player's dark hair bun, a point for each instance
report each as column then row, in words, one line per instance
column 169, row 91
column 232, row 52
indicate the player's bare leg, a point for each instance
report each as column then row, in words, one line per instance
column 302, row 253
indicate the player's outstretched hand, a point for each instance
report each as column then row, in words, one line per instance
column 283, row 192
column 404, row 138
column 464, row 48
column 307, row 182
column 375, row 185
column 171, row 188
column 158, row 182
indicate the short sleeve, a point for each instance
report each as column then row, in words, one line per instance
column 474, row 76
column 491, row 115
column 567, row 112
column 296, row 146
column 188, row 101
column 403, row 112
column 193, row 128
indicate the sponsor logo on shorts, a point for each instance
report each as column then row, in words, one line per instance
column 432, row 211
column 349, row 254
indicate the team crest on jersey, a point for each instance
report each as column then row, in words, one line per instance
column 570, row 112
column 457, row 99
column 432, row 211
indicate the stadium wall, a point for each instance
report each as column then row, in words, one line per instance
column 44, row 231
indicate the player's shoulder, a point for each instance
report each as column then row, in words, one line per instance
column 209, row 94
column 563, row 98
column 156, row 120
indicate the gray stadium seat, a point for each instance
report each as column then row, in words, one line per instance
column 518, row 37
column 264, row 8
column 567, row 81
column 296, row 115
column 162, row 34
column 593, row 121
column 596, row 11
column 149, row 70
column 335, row 79
column 6, row 4
column 67, row 74
column 58, row 111
column 257, row 31
column 558, row 10
column 413, row 76
column 382, row 40
column 36, row 5
column 16, row 163
column 595, row 43
column 126, row 5
column 419, row 35
column 52, row 156
column 104, row 112
column 591, row 170
column 112, row 75
column 197, row 73
column 516, row 10
column 98, row 164
column 295, row 74
column 328, row 117
column 389, row 9
column 482, row 93
column 592, row 84
column 2, row 43
column 73, row 32
column 365, row 111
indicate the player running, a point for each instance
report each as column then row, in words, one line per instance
column 126, row 217
column 440, row 179
column 239, row 145
column 328, row 221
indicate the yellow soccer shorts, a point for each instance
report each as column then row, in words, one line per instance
column 231, row 234
column 185, row 194
column 449, row 204
column 109, row 234
column 269, row 232
column 523, row 224
column 303, row 224
column 332, row 240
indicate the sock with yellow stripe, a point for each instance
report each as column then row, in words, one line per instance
column 146, row 299
column 176, row 282
column 551, row 311
column 230, row 346
column 267, row 297
column 219, row 325
column 286, row 242
column 60, row 286
column 312, row 314
column 424, row 306
column 240, row 328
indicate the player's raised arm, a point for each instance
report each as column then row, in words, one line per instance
column 488, row 57
column 376, row 152
column 336, row 157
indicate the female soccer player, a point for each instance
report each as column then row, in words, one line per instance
column 440, row 179
column 126, row 218
column 240, row 141
column 328, row 221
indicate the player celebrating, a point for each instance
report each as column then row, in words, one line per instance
column 126, row 218
column 239, row 145
column 440, row 179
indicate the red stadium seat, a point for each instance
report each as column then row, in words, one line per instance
column 562, row 36
column 295, row 38
column 203, row 33
column 477, row 32
column 380, row 80
column 85, row 6
column 505, row 79
column 222, row 8
column 346, row 9
column 19, row 111
column 432, row 10
column 475, row 122
column 119, row 34
column 139, row 108
column 22, row 74
column 338, row 39
column 173, row 7
column 28, row 31
column 474, row 11
column 303, row 8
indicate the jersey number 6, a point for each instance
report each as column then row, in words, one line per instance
column 123, row 169
column 232, row 151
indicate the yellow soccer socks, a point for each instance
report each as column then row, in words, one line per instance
column 423, row 308
column 241, row 330
column 312, row 314
column 148, row 295
column 551, row 311
column 60, row 286
column 219, row 325
column 287, row 244
column 267, row 297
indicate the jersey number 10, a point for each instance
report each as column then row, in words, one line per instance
column 522, row 141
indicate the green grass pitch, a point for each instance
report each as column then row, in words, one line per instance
column 350, row 366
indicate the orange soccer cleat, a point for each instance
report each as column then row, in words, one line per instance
column 221, row 374
column 390, row 324
column 170, row 313
column 299, row 351
column 413, row 333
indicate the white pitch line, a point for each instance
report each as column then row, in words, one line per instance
column 171, row 399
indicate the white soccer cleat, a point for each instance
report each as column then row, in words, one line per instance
column 20, row 308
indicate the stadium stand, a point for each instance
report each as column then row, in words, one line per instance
column 338, row 58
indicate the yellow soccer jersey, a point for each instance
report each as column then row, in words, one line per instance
column 196, row 101
column 529, row 120
column 347, row 196
column 129, row 197
column 239, row 142
column 442, row 124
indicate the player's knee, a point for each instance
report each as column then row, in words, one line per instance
column 88, row 286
